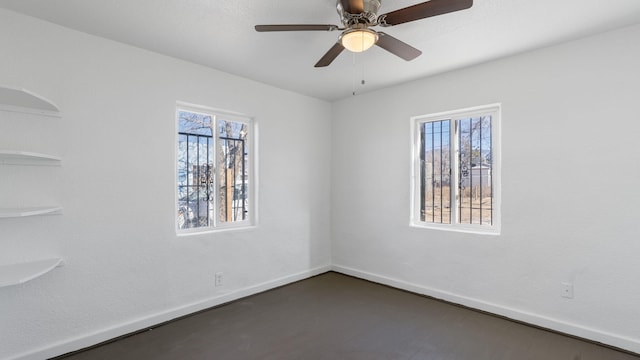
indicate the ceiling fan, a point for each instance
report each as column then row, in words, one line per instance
column 358, row 16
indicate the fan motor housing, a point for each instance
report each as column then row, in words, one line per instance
column 368, row 16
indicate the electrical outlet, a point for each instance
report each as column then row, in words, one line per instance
column 567, row 290
column 218, row 279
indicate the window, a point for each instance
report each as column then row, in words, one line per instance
column 456, row 170
column 214, row 170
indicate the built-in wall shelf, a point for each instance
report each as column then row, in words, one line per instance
column 14, row 274
column 24, row 101
column 29, row 211
column 14, row 103
column 15, row 157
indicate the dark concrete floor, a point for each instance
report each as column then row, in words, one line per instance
column 333, row 316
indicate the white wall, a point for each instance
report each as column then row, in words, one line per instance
column 570, row 172
column 125, row 268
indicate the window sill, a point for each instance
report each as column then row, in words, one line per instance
column 461, row 229
column 194, row 232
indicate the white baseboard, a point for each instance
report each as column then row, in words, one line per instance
column 73, row 344
column 581, row 331
column 134, row 325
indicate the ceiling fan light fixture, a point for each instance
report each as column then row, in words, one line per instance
column 358, row 16
column 358, row 40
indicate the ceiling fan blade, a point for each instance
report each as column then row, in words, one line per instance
column 333, row 53
column 397, row 47
column 423, row 10
column 353, row 6
column 296, row 27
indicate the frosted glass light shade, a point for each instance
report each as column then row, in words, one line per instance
column 358, row 40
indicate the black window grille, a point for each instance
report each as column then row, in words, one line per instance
column 475, row 204
column 195, row 181
column 469, row 198
column 213, row 172
column 233, row 189
column 435, row 198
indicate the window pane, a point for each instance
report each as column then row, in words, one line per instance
column 195, row 164
column 233, row 171
column 475, row 164
column 435, row 155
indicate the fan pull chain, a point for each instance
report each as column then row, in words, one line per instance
column 362, row 81
column 353, row 84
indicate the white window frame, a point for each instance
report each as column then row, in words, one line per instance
column 495, row 110
column 252, row 142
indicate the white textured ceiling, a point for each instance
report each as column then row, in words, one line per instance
column 220, row 34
